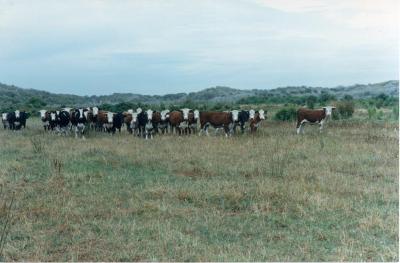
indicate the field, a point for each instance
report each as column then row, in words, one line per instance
column 274, row 196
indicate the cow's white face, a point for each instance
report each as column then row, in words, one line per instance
column 261, row 114
column 149, row 115
column 252, row 113
column 196, row 114
column 4, row 116
column 328, row 110
column 164, row 115
column 17, row 113
column 235, row 115
column 110, row 116
column 134, row 117
column 95, row 111
column 42, row 113
column 139, row 110
column 130, row 111
column 80, row 113
column 185, row 113
column 53, row 116
column 58, row 112
column 86, row 114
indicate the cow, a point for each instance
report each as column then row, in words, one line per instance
column 217, row 120
column 255, row 119
column 17, row 119
column 193, row 119
column 242, row 117
column 4, row 120
column 62, row 121
column 80, row 119
column 45, row 117
column 134, row 125
column 128, row 120
column 313, row 117
column 52, row 120
column 164, row 121
column 149, row 126
column 175, row 120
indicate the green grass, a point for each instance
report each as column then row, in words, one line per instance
column 274, row 196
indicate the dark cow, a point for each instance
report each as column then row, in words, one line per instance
column 242, row 118
column 80, row 119
column 134, row 125
column 255, row 119
column 313, row 117
column 149, row 126
column 17, row 119
column 62, row 121
column 217, row 120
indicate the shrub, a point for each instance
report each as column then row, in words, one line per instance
column 310, row 101
column 345, row 109
column 286, row 114
column 371, row 112
column 395, row 112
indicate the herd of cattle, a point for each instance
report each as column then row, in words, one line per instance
column 146, row 123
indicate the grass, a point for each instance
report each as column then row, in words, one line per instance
column 274, row 196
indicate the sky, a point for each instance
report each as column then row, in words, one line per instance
column 168, row 46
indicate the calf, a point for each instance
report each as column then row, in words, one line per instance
column 255, row 119
column 149, row 127
column 313, row 117
column 217, row 120
column 164, row 120
column 175, row 120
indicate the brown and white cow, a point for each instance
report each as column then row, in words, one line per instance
column 193, row 120
column 313, row 117
column 255, row 119
column 45, row 117
column 176, row 119
column 217, row 120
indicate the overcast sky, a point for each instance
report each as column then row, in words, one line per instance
column 159, row 47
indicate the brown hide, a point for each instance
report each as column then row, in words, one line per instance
column 254, row 122
column 215, row 118
column 175, row 118
column 156, row 118
column 310, row 115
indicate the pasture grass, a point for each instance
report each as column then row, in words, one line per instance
column 273, row 196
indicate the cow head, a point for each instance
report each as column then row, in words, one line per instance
column 42, row 114
column 130, row 111
column 235, row 115
column 57, row 112
column 328, row 110
column 139, row 110
column 252, row 113
column 95, row 111
column 110, row 116
column 53, row 116
column 185, row 112
column 261, row 114
column 17, row 112
column 4, row 116
column 196, row 114
column 134, row 117
column 81, row 115
column 164, row 115
column 149, row 115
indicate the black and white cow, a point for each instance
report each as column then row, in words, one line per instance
column 149, row 126
column 163, row 124
column 242, row 118
column 80, row 119
column 313, row 117
column 17, row 119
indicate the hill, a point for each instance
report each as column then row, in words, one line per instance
column 12, row 96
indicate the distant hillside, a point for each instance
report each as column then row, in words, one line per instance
column 13, row 97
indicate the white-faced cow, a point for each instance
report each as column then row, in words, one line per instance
column 45, row 117
column 313, row 117
column 255, row 119
column 4, row 120
column 164, row 120
column 193, row 120
column 80, row 120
